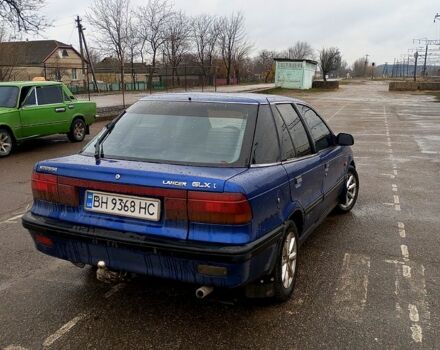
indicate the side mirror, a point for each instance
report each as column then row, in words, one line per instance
column 72, row 97
column 344, row 139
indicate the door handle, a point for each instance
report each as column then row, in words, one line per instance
column 71, row 106
column 59, row 110
column 298, row 181
column 326, row 168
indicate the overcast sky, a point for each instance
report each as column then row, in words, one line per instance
column 384, row 29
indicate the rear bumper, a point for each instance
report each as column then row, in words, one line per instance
column 166, row 258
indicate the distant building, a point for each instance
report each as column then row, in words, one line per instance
column 109, row 70
column 51, row 59
column 294, row 73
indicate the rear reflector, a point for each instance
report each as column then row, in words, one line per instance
column 47, row 188
column 219, row 208
column 43, row 240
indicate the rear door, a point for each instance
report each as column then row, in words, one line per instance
column 331, row 155
column 304, row 168
column 44, row 112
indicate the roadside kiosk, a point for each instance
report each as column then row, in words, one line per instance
column 294, row 73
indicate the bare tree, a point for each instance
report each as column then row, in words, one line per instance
column 111, row 20
column 23, row 15
column 329, row 60
column 301, row 50
column 232, row 34
column 359, row 67
column 133, row 46
column 152, row 21
column 264, row 64
column 205, row 32
column 241, row 53
column 176, row 43
column 8, row 58
column 94, row 56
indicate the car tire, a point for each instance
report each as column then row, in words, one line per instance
column 7, row 142
column 77, row 131
column 287, row 264
column 351, row 191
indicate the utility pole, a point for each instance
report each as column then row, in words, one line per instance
column 424, row 63
column 416, row 56
column 82, row 45
column 82, row 41
column 90, row 63
column 83, row 70
column 366, row 64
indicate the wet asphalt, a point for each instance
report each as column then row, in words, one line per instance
column 367, row 280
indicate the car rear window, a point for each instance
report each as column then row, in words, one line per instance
column 8, row 96
column 192, row 133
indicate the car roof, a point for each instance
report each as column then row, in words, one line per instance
column 27, row 83
column 220, row 97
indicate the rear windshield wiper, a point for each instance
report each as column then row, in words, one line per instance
column 108, row 129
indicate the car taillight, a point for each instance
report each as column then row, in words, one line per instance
column 51, row 188
column 219, row 208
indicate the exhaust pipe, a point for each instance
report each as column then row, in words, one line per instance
column 203, row 292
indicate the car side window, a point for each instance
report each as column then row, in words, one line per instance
column 30, row 97
column 321, row 134
column 287, row 149
column 266, row 149
column 49, row 95
column 296, row 130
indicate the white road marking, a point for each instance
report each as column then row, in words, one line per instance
column 351, row 293
column 391, row 176
column 340, row 109
column 396, row 203
column 413, row 313
column 404, row 250
column 394, row 186
column 12, row 220
column 394, row 261
column 73, row 322
column 63, row 330
column 114, row 290
column 402, row 231
column 406, row 271
column 395, row 172
column 15, row 347
column 411, row 290
column 416, row 333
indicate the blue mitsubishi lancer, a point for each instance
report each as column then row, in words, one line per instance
column 218, row 190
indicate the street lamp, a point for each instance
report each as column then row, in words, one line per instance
column 416, row 56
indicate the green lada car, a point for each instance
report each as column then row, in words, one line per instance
column 33, row 109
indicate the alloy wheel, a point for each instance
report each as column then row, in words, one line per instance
column 351, row 190
column 5, row 143
column 288, row 263
column 79, row 130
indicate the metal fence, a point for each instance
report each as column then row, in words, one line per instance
column 137, row 77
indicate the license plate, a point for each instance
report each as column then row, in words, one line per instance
column 121, row 205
